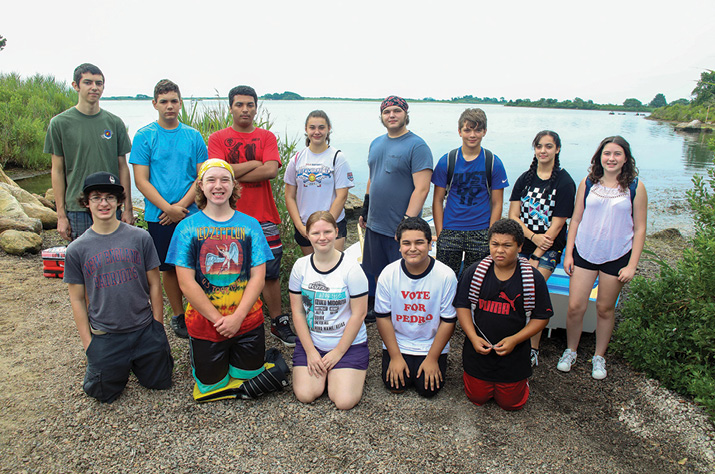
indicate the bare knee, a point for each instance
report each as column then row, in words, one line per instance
column 345, row 401
column 306, row 394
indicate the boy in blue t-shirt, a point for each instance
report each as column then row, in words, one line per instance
column 471, row 208
column 166, row 157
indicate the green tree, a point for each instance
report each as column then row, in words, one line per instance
column 3, row 42
column 632, row 103
column 658, row 101
column 704, row 92
column 680, row 102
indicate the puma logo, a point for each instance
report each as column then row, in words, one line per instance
column 503, row 296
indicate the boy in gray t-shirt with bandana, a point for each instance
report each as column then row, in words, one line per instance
column 120, row 322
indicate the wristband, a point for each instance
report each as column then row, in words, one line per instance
column 534, row 257
column 365, row 207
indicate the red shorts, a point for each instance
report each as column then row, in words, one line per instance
column 509, row 396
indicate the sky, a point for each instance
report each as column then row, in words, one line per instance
column 606, row 51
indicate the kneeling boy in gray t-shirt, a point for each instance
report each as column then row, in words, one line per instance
column 120, row 322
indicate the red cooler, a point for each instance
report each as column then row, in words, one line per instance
column 53, row 262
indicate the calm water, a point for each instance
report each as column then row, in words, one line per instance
column 667, row 160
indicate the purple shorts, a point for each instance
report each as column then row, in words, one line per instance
column 357, row 357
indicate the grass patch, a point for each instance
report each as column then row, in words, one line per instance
column 26, row 107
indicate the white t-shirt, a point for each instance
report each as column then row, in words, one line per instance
column 416, row 303
column 326, row 298
column 316, row 180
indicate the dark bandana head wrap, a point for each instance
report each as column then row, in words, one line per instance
column 394, row 100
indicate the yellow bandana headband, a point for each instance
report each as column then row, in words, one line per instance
column 214, row 163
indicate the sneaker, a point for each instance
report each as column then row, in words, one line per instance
column 534, row 357
column 178, row 324
column 280, row 328
column 566, row 361
column 599, row 368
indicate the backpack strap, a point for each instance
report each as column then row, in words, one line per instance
column 488, row 168
column 335, row 158
column 527, row 283
column 589, row 185
column 451, row 163
column 631, row 188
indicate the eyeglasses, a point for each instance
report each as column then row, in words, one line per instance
column 111, row 199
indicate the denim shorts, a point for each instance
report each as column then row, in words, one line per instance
column 549, row 260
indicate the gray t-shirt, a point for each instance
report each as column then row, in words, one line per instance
column 392, row 162
column 113, row 269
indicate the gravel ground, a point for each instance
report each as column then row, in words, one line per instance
column 625, row 423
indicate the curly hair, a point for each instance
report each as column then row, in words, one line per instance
column 507, row 226
column 201, row 197
column 628, row 172
column 535, row 162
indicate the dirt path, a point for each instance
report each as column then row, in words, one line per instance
column 625, row 423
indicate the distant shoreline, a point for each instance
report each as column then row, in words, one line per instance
column 473, row 101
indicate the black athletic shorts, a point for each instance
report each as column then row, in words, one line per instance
column 244, row 352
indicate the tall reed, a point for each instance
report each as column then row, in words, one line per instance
column 26, row 107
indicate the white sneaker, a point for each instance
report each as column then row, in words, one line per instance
column 566, row 361
column 599, row 368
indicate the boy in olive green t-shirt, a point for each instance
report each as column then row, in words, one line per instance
column 84, row 140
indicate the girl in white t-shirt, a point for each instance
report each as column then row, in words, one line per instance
column 605, row 240
column 328, row 298
column 317, row 179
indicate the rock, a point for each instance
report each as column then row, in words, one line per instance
column 694, row 126
column 45, row 202
column 668, row 234
column 353, row 206
column 48, row 217
column 16, row 242
column 5, row 178
column 25, row 224
column 9, row 207
column 50, row 196
column 20, row 194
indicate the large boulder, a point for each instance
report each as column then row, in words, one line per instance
column 50, row 196
column 9, row 207
column 353, row 206
column 5, row 178
column 47, row 216
column 16, row 242
column 46, row 202
column 20, row 194
column 25, row 224
column 32, row 206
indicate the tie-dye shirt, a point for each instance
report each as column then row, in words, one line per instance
column 222, row 255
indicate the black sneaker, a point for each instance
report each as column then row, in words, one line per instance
column 280, row 328
column 179, row 326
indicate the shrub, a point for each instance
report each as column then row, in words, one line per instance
column 668, row 327
column 209, row 119
column 26, row 107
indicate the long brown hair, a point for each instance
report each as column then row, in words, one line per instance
column 628, row 172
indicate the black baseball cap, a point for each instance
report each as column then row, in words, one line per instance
column 103, row 180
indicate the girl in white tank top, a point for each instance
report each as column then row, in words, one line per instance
column 608, row 224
